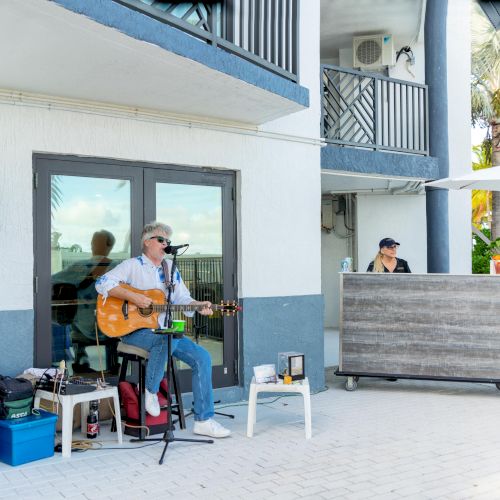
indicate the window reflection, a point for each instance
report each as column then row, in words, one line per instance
column 195, row 213
column 80, row 254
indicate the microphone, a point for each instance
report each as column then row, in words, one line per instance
column 171, row 249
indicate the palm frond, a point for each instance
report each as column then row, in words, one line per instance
column 485, row 68
column 485, row 47
column 481, row 106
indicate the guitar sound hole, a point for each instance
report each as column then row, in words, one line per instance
column 145, row 311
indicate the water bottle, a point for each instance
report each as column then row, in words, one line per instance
column 93, row 420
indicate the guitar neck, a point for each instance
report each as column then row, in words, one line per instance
column 188, row 307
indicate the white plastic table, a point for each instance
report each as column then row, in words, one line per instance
column 69, row 401
column 302, row 387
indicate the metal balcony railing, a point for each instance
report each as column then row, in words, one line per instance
column 265, row 32
column 372, row 111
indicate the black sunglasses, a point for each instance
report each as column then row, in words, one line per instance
column 161, row 239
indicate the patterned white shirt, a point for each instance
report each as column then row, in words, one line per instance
column 142, row 274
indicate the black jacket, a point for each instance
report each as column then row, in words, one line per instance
column 401, row 267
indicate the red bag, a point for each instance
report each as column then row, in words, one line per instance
column 129, row 397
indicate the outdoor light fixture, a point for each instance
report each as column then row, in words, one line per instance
column 291, row 364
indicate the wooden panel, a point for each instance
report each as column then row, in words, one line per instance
column 432, row 325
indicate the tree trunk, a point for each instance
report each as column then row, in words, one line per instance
column 495, row 161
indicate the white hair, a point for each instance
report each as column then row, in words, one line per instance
column 152, row 228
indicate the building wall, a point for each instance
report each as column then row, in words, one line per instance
column 401, row 217
column 333, row 249
column 459, row 138
column 273, row 175
column 278, row 205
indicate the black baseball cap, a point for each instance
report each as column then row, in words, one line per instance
column 387, row 242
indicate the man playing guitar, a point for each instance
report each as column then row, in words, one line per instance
column 146, row 272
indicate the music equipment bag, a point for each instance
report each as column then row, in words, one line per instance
column 16, row 397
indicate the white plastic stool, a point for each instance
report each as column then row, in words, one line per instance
column 69, row 401
column 255, row 388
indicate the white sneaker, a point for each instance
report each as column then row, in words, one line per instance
column 210, row 428
column 152, row 404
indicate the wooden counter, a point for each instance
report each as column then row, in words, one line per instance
column 430, row 326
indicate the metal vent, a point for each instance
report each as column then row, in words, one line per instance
column 369, row 52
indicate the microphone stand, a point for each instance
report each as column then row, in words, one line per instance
column 168, row 436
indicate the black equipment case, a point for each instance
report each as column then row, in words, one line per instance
column 16, row 397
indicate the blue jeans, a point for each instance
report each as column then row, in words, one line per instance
column 187, row 351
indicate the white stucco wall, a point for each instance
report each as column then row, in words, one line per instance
column 278, row 203
column 401, row 217
column 459, row 47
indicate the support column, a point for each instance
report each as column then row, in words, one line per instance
column 438, row 244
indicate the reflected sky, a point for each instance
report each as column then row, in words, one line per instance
column 89, row 204
column 195, row 214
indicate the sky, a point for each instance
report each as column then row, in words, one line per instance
column 477, row 135
column 90, row 204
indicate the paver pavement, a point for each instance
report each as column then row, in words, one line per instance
column 404, row 439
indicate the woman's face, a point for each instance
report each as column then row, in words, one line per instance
column 389, row 251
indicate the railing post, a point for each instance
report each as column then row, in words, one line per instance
column 212, row 23
column 375, row 113
column 322, row 71
column 295, row 37
column 228, row 18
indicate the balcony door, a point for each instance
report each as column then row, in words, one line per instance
column 89, row 214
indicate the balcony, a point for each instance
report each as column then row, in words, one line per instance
column 262, row 31
column 233, row 61
column 375, row 128
column 375, row 112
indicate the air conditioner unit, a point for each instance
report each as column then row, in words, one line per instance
column 373, row 51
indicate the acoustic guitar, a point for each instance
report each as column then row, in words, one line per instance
column 116, row 317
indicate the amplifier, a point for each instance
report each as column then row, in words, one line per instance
column 67, row 387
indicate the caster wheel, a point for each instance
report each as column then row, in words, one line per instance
column 351, row 384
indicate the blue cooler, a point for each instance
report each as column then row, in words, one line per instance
column 26, row 439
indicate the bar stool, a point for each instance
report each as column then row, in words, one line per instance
column 133, row 354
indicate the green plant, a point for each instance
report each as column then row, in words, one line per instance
column 481, row 255
column 494, row 247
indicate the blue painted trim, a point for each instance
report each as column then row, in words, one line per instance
column 438, row 244
column 271, row 325
column 17, row 339
column 378, row 162
column 438, row 258
column 147, row 29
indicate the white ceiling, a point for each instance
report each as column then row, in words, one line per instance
column 46, row 49
column 347, row 182
column 343, row 19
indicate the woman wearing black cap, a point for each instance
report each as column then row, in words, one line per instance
column 386, row 261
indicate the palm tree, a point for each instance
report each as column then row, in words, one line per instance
column 485, row 92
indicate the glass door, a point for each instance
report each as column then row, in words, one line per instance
column 199, row 208
column 84, row 229
column 89, row 214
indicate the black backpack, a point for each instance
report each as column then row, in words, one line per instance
column 16, row 397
